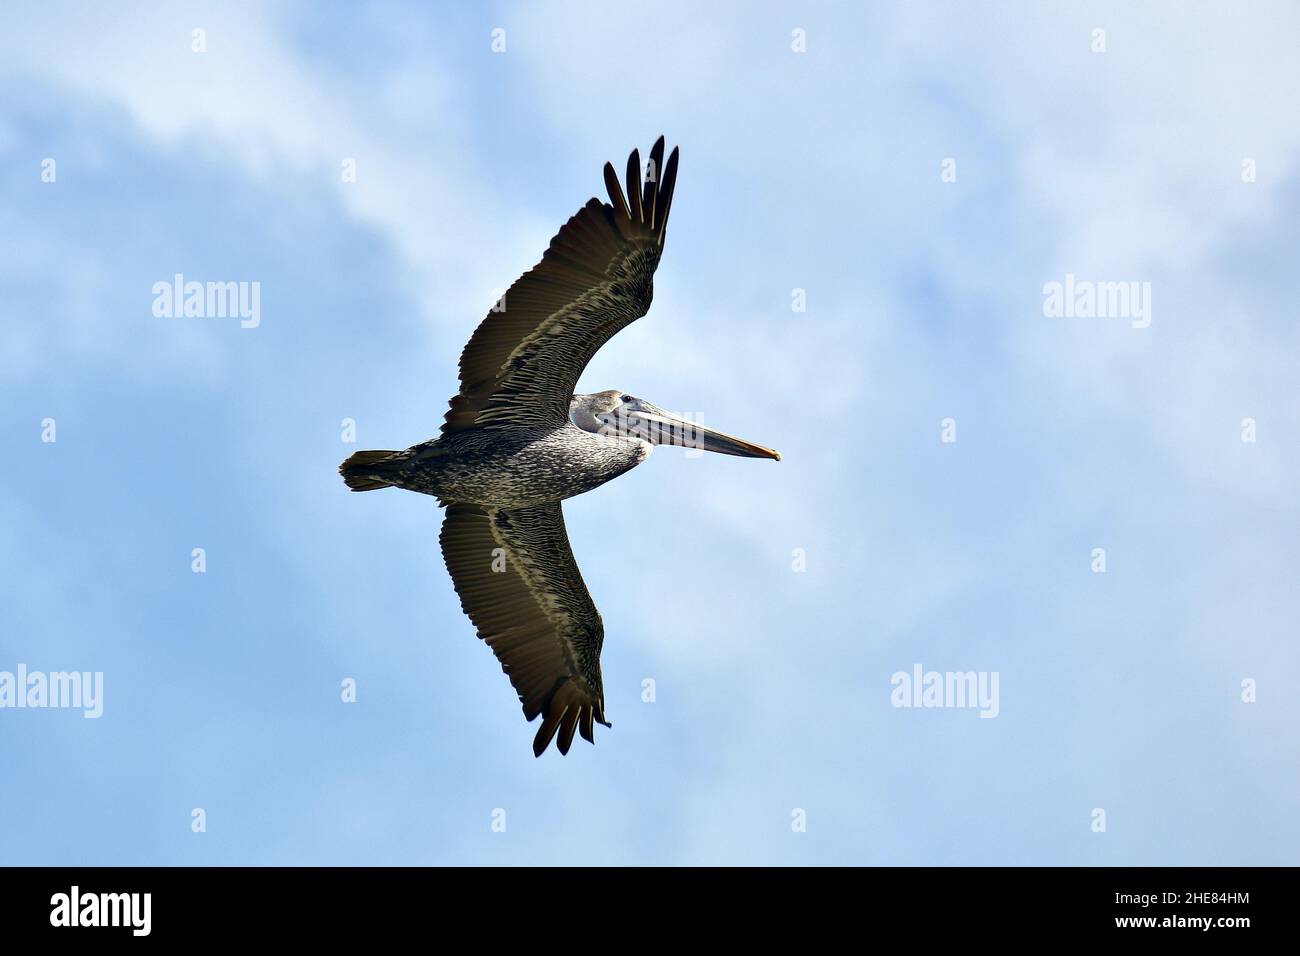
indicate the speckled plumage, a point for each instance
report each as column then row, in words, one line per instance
column 508, row 468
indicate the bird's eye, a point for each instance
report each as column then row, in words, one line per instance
column 627, row 398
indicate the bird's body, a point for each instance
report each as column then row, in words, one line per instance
column 517, row 441
column 513, row 467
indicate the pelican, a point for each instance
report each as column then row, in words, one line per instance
column 517, row 441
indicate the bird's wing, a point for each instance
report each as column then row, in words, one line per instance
column 518, row 582
column 522, row 363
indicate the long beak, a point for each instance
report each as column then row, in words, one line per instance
column 666, row 429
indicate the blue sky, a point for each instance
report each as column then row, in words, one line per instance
column 821, row 171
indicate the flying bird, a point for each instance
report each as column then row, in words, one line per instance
column 517, row 441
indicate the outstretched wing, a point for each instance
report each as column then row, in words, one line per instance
column 522, row 363
column 518, row 582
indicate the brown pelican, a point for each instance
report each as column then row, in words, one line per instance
column 517, row 441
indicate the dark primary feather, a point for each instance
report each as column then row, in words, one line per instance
column 664, row 200
column 522, row 363
column 653, row 172
column 615, row 192
column 634, row 185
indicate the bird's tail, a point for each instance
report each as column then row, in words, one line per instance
column 363, row 471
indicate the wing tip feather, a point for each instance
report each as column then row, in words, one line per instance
column 562, row 722
column 615, row 191
column 653, row 175
column 664, row 199
column 634, row 186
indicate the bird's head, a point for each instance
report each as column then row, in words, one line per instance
column 612, row 412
